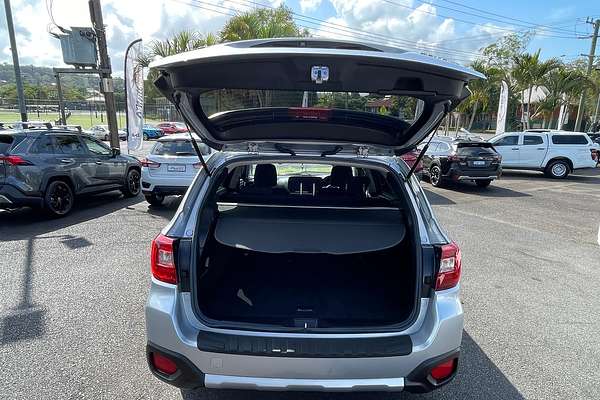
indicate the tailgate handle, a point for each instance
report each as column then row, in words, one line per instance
column 66, row 160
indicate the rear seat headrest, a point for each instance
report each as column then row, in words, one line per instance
column 310, row 184
column 340, row 175
column 265, row 175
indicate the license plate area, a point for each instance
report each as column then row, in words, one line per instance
column 478, row 163
column 176, row 168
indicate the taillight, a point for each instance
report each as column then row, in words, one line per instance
column 444, row 370
column 450, row 266
column 456, row 158
column 198, row 165
column 149, row 163
column 594, row 154
column 163, row 364
column 15, row 160
column 162, row 259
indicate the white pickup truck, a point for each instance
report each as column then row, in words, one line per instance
column 556, row 153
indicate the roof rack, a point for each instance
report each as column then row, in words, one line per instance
column 70, row 128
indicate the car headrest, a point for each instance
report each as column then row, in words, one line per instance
column 265, row 175
column 308, row 184
column 340, row 175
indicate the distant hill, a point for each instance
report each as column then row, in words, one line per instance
column 44, row 76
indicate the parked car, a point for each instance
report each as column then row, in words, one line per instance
column 410, row 158
column 169, row 128
column 171, row 167
column 103, row 133
column 556, row 153
column 48, row 168
column 461, row 160
column 149, row 132
column 273, row 277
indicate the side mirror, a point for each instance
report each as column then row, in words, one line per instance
column 115, row 152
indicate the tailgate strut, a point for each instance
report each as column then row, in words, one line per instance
column 422, row 153
column 194, row 144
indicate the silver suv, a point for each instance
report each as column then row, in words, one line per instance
column 304, row 256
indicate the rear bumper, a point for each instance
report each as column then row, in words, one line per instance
column 171, row 325
column 164, row 185
column 457, row 174
column 11, row 197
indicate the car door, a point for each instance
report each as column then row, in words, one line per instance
column 75, row 161
column 533, row 150
column 109, row 170
column 508, row 147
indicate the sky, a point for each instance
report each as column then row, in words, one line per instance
column 452, row 29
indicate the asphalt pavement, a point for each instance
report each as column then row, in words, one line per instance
column 73, row 292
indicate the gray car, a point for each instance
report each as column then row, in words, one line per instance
column 49, row 167
column 304, row 256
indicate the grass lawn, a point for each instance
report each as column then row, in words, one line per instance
column 86, row 120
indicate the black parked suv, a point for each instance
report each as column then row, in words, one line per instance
column 458, row 160
column 48, row 167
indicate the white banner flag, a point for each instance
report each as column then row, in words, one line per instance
column 563, row 113
column 134, row 95
column 502, row 109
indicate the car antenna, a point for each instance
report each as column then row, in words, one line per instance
column 194, row 144
column 424, row 149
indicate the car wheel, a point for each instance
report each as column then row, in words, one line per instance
column 558, row 169
column 435, row 176
column 132, row 184
column 483, row 182
column 154, row 199
column 145, row 136
column 59, row 198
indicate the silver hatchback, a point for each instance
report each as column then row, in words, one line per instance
column 305, row 257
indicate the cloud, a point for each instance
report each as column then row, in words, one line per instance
column 309, row 5
column 406, row 24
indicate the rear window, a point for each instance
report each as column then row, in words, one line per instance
column 569, row 139
column 532, row 140
column 5, row 143
column 475, row 149
column 178, row 148
column 404, row 108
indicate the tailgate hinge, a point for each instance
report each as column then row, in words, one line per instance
column 362, row 151
column 252, row 148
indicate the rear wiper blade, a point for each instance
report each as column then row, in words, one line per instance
column 331, row 152
column 283, row 149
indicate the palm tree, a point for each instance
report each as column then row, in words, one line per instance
column 528, row 72
column 562, row 84
column 481, row 89
column 261, row 24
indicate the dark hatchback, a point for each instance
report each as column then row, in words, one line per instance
column 461, row 160
column 47, row 168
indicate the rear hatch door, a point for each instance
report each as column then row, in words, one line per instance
column 311, row 95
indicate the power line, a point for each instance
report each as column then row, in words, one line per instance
column 529, row 23
column 467, row 21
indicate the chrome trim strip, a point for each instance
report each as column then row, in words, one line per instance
column 319, row 385
column 5, row 200
column 463, row 178
column 228, row 204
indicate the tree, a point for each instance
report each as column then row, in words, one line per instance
column 529, row 72
column 481, row 89
column 261, row 24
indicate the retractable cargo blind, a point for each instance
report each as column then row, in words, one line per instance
column 282, row 229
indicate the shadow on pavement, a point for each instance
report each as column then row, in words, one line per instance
column 586, row 176
column 436, row 199
column 478, row 378
column 26, row 223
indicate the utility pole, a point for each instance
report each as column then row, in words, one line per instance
column 106, row 82
column 591, row 57
column 15, row 57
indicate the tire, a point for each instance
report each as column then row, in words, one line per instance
column 558, row 169
column 58, row 198
column 145, row 136
column 483, row 182
column 132, row 184
column 154, row 199
column 435, row 176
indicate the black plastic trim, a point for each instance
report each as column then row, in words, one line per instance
column 18, row 198
column 184, row 256
column 390, row 346
column 188, row 376
column 419, row 380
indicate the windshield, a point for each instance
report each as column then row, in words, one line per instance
column 178, row 148
column 221, row 100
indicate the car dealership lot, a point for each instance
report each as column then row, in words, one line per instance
column 73, row 291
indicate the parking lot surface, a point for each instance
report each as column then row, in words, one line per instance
column 73, row 293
